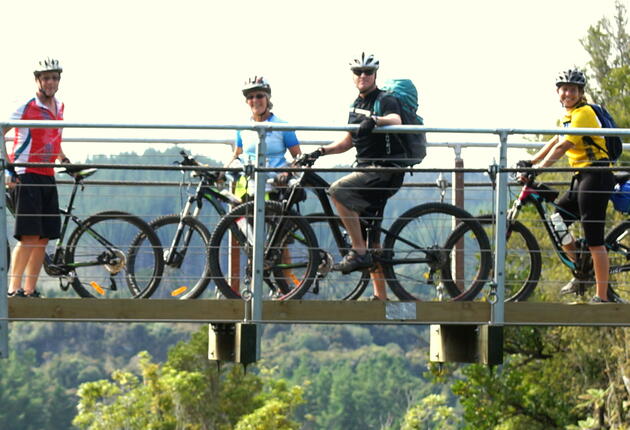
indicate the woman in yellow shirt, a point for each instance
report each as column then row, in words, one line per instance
column 588, row 195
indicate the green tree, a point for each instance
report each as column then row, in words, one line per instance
column 30, row 399
column 608, row 45
column 431, row 413
column 187, row 392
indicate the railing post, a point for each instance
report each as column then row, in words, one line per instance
column 458, row 179
column 497, row 305
column 457, row 198
column 4, row 302
column 259, row 227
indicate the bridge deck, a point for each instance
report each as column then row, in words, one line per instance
column 314, row 312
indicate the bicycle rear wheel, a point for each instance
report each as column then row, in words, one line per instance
column 186, row 256
column 523, row 261
column 290, row 266
column 618, row 246
column 103, row 257
column 332, row 285
column 421, row 252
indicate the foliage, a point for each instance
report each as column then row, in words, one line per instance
column 431, row 413
column 608, row 45
column 187, row 392
column 30, row 398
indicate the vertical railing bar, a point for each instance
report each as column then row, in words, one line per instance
column 497, row 316
column 259, row 227
column 4, row 302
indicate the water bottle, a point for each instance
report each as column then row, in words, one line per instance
column 561, row 229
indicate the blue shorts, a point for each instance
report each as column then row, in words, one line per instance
column 36, row 207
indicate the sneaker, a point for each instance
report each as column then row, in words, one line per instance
column 18, row 293
column 376, row 299
column 597, row 299
column 576, row 286
column 353, row 261
column 35, row 294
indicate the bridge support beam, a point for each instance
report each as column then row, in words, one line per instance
column 233, row 342
column 466, row 344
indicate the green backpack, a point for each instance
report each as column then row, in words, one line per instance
column 414, row 144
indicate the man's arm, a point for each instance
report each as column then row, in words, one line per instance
column 389, row 119
column 339, row 146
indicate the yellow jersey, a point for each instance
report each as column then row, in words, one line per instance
column 583, row 154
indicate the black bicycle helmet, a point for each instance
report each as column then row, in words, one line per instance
column 257, row 83
column 47, row 65
column 571, row 76
column 364, row 62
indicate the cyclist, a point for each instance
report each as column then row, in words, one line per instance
column 361, row 193
column 37, row 217
column 257, row 92
column 589, row 191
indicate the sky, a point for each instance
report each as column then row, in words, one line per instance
column 480, row 64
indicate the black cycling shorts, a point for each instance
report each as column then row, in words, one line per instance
column 36, row 207
column 366, row 191
column 587, row 199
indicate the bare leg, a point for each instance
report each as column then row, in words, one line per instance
column 601, row 267
column 378, row 281
column 350, row 220
column 34, row 266
column 19, row 260
column 571, row 251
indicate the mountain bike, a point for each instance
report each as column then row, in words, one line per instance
column 523, row 264
column 100, row 253
column 419, row 254
column 186, row 239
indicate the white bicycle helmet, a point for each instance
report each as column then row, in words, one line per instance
column 571, row 76
column 47, row 65
column 257, row 83
column 364, row 62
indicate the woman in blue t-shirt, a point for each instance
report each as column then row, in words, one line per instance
column 257, row 94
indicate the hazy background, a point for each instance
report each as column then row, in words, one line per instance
column 488, row 63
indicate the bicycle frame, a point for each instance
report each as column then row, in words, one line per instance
column 310, row 179
column 533, row 193
column 204, row 191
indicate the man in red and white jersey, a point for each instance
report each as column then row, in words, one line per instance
column 34, row 190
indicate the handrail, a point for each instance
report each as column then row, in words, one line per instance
column 499, row 170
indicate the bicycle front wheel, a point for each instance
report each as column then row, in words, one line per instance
column 618, row 246
column 290, row 262
column 108, row 260
column 186, row 243
column 421, row 253
column 523, row 262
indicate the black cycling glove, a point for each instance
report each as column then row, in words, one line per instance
column 366, row 126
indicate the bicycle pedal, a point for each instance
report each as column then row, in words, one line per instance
column 112, row 286
column 315, row 288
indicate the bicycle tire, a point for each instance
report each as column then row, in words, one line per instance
column 420, row 244
column 333, row 285
column 142, row 269
column 523, row 261
column 186, row 273
column 618, row 245
column 296, row 236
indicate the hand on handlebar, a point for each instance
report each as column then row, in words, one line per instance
column 525, row 177
column 308, row 159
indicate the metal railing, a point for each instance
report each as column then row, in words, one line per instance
column 498, row 170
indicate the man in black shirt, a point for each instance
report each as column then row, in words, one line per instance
column 364, row 193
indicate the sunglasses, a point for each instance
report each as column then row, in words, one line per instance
column 367, row 72
column 255, row 96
